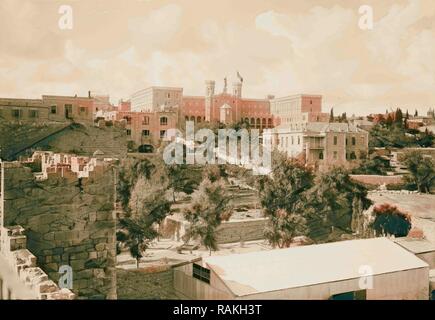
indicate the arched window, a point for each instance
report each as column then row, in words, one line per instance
column 186, row 118
column 353, row 141
column 321, row 155
column 198, row 119
column 258, row 122
column 352, row 155
column 146, row 120
column 163, row 121
column 269, row 122
column 252, row 121
column 192, row 118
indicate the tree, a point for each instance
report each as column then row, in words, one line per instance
column 422, row 170
column 283, row 227
column 390, row 221
column 426, row 139
column 209, row 207
column 280, row 194
column 389, row 121
column 375, row 165
column 416, row 113
column 129, row 172
column 398, row 119
column 336, row 201
column 331, row 116
column 182, row 178
column 146, row 205
column 136, row 234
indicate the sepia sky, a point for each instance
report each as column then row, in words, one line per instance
column 280, row 47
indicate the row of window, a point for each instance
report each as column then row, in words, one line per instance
column 353, row 140
column 286, row 140
column 18, row 113
column 146, row 120
column 146, row 133
column 349, row 156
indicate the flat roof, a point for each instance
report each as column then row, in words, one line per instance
column 280, row 269
column 416, row 245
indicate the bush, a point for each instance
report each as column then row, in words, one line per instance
column 389, row 220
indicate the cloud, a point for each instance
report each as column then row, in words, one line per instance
column 157, row 28
column 279, row 48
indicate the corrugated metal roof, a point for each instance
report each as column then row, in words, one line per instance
column 280, row 269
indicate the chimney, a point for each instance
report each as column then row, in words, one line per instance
column 89, row 94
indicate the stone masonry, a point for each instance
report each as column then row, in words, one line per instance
column 68, row 221
column 20, row 278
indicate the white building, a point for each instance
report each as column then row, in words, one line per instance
column 357, row 269
column 156, row 99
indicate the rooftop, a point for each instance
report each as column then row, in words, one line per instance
column 264, row 271
column 332, row 127
column 415, row 246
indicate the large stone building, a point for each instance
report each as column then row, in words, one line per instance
column 147, row 129
column 156, row 99
column 53, row 108
column 322, row 145
column 228, row 108
column 305, row 132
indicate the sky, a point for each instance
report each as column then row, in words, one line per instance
column 280, row 47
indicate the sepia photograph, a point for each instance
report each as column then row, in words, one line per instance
column 217, row 157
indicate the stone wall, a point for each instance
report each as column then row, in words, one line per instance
column 241, row 230
column 377, row 179
column 68, row 221
column 227, row 232
column 146, row 283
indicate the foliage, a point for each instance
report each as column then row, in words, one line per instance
column 136, row 234
column 142, row 192
column 280, row 194
column 391, row 221
column 375, row 165
column 422, row 170
column 283, row 227
column 394, row 132
column 129, row 172
column 209, row 207
column 336, row 201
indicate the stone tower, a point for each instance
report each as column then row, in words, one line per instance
column 237, row 89
column 209, row 93
column 237, row 93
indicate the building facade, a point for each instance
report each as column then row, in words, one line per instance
column 321, row 145
column 156, row 99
